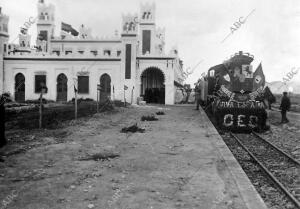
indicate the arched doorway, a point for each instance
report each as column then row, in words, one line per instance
column 152, row 86
column 19, row 87
column 105, row 84
column 62, row 88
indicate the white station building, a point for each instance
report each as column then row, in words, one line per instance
column 135, row 60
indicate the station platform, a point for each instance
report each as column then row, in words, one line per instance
column 209, row 175
column 179, row 162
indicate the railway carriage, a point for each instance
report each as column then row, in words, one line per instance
column 235, row 94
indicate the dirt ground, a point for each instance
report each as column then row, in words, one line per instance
column 172, row 164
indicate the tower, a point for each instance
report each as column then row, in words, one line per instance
column 160, row 41
column 24, row 41
column 147, row 29
column 129, row 48
column 45, row 25
column 3, row 45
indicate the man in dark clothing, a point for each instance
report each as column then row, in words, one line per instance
column 2, row 122
column 198, row 94
column 285, row 106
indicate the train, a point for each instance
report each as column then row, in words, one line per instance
column 234, row 94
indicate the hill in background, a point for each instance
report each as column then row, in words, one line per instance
column 277, row 87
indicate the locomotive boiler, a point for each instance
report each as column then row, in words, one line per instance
column 234, row 94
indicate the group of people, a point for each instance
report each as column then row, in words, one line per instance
column 154, row 95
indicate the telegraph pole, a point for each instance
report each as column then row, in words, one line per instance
column 98, row 96
column 132, row 94
column 75, row 91
column 125, row 88
column 43, row 90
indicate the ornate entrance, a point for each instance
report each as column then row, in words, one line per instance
column 62, row 88
column 152, row 86
column 105, row 83
column 19, row 87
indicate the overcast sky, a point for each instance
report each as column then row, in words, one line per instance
column 197, row 27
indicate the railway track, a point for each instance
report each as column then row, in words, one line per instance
column 283, row 169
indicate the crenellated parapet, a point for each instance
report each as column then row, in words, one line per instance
column 147, row 13
column 174, row 51
column 75, row 55
column 70, row 37
column 160, row 40
column 46, row 13
column 129, row 24
column 85, row 32
column 24, row 42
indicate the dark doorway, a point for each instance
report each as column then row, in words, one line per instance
column 62, row 88
column 20, row 88
column 105, row 83
column 152, row 86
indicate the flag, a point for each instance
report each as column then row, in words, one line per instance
column 75, row 89
column 258, row 78
column 68, row 28
column 125, row 87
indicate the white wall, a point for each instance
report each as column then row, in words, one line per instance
column 70, row 68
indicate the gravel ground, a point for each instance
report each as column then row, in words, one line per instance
column 271, row 194
column 89, row 163
column 285, row 136
column 285, row 170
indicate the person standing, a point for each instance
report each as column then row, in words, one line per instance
column 197, row 94
column 284, row 107
column 3, row 141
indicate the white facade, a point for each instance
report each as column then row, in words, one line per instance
column 124, row 58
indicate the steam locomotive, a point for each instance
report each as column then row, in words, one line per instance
column 234, row 94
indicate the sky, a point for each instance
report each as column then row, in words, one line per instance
column 196, row 27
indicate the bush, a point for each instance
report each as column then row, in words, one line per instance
column 149, row 118
column 7, row 96
column 132, row 129
column 81, row 100
column 36, row 101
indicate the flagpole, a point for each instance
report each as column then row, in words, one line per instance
column 132, row 94
column 97, row 100
column 75, row 105
column 40, row 110
column 124, row 98
column 75, row 91
column 113, row 93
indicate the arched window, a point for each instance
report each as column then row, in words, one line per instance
column 42, row 17
column 62, row 87
column 105, row 91
column 20, row 87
